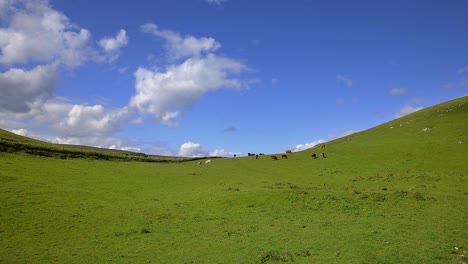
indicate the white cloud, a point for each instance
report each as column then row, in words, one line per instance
column 73, row 124
column 345, row 80
column 82, row 121
column 112, row 46
column 305, row 146
column 22, row 132
column 21, row 88
column 397, row 91
column 190, row 149
column 180, row 47
column 221, row 153
column 165, row 95
column 407, row 109
column 37, row 33
column 33, row 33
column 98, row 142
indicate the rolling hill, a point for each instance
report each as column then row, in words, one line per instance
column 395, row 193
column 12, row 143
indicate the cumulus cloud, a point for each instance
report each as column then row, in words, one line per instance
column 69, row 120
column 20, row 88
column 190, row 149
column 166, row 94
column 73, row 124
column 22, row 132
column 309, row 145
column 37, row 41
column 37, row 33
column 343, row 79
column 112, row 46
column 397, row 91
column 39, row 36
column 180, row 47
column 98, row 142
column 83, row 120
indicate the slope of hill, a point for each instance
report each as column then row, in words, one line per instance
column 432, row 137
column 396, row 193
column 12, row 143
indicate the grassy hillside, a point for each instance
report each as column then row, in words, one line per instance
column 12, row 143
column 396, row 193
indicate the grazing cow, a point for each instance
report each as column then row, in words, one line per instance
column 199, row 163
column 235, row 155
column 208, row 161
column 256, row 156
column 322, row 146
column 284, row 156
column 323, row 155
column 288, row 151
column 261, row 154
column 250, row 154
column 314, row 156
column 274, row 157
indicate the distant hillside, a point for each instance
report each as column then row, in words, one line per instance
column 425, row 134
column 12, row 143
column 428, row 137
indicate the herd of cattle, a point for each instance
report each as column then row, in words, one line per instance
column 284, row 156
column 288, row 151
column 274, row 157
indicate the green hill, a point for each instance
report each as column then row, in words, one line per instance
column 396, row 193
column 12, row 143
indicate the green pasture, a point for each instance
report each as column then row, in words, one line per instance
column 396, row 193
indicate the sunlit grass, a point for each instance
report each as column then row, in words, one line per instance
column 392, row 194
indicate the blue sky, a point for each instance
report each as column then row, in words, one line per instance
column 199, row 77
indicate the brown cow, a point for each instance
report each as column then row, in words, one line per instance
column 288, row 151
column 274, row 157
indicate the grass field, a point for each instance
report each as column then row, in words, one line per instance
column 396, row 193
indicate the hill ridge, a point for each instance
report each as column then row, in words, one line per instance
column 429, row 116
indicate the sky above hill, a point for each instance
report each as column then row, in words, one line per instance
column 223, row 77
